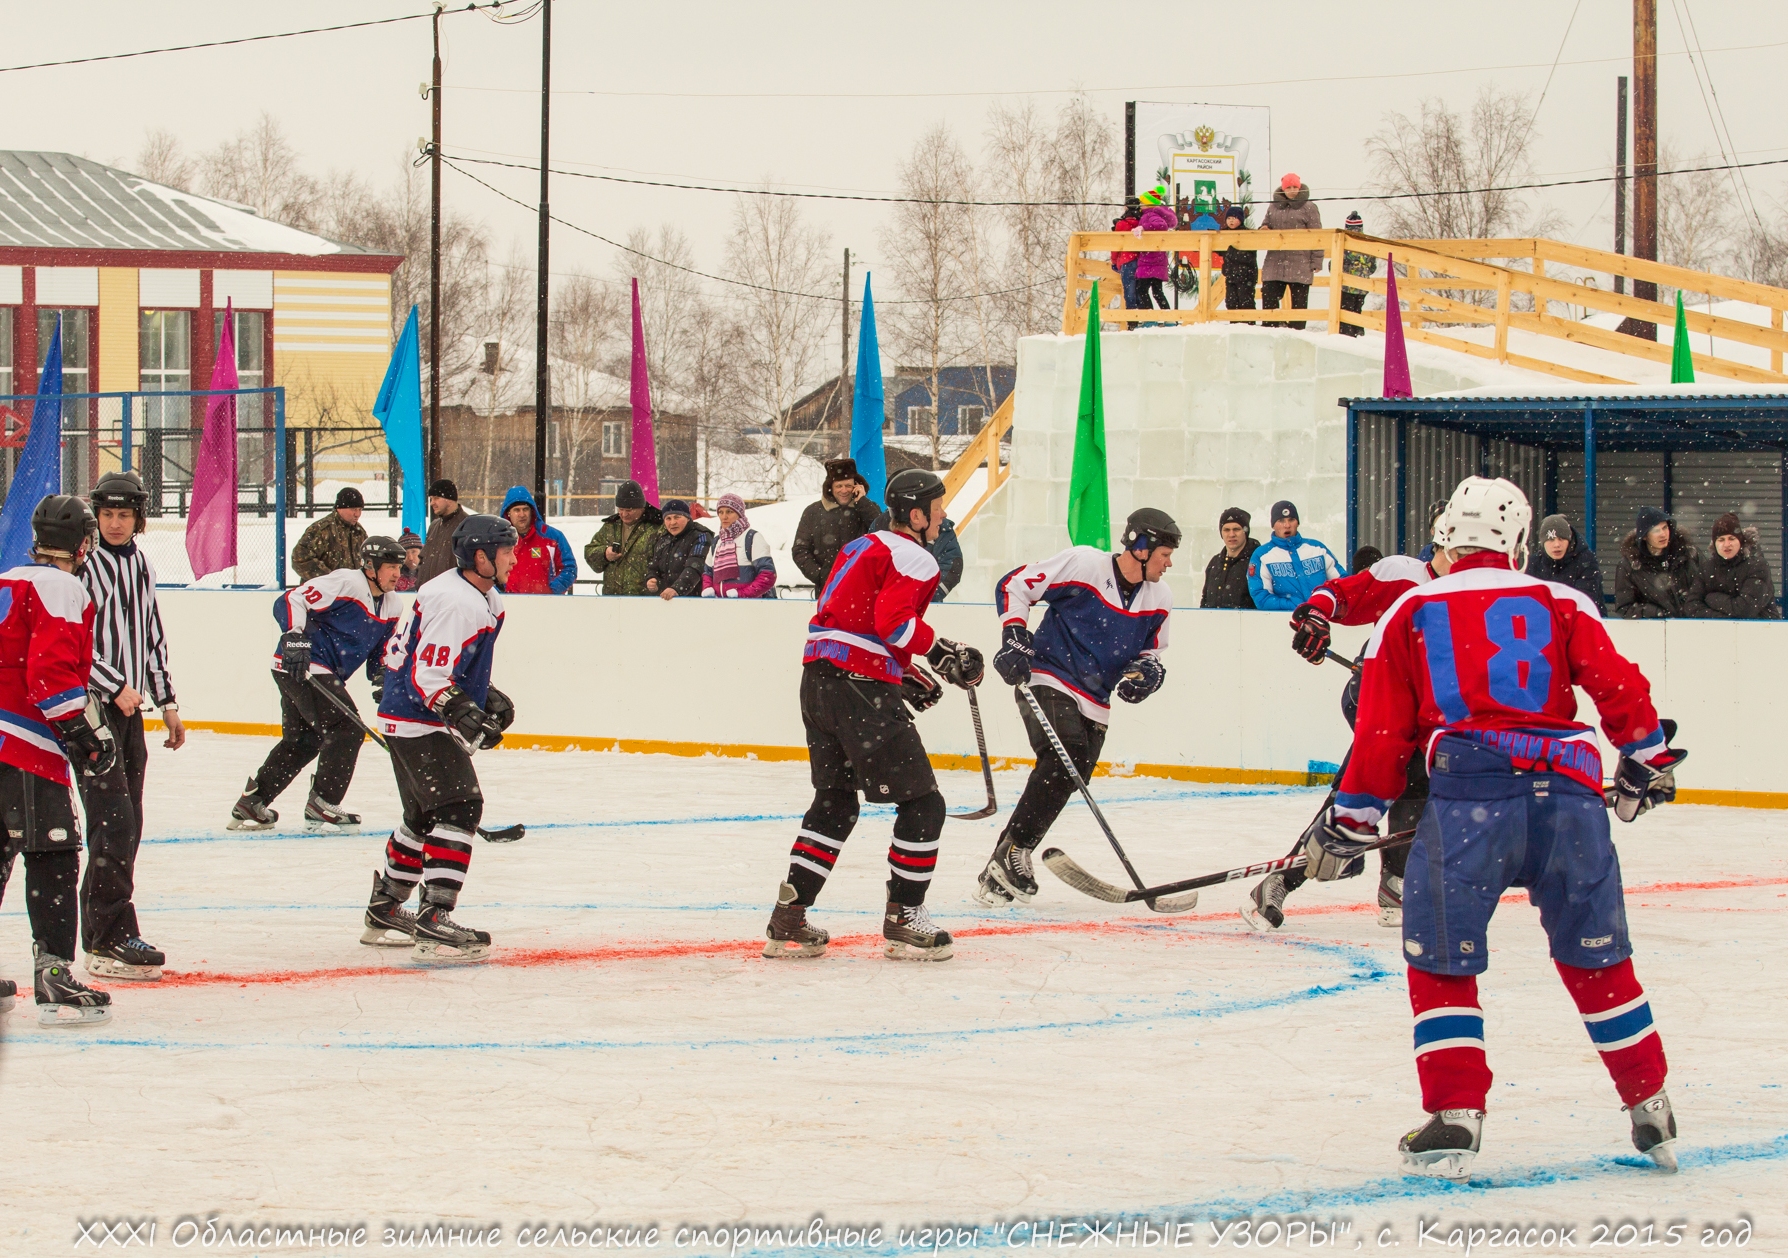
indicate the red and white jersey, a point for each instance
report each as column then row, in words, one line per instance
column 1491, row 655
column 46, row 657
column 1362, row 598
column 870, row 614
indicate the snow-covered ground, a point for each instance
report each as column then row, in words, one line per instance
column 627, row 1058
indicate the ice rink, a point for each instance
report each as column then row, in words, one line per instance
column 626, row 1058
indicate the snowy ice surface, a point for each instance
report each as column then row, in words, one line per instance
column 626, row 1056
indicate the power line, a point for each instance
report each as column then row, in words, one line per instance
column 1714, row 92
column 1535, row 115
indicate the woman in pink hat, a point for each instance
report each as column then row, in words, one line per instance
column 1292, row 210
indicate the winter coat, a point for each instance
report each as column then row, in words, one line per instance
column 626, row 575
column 1241, row 266
column 677, row 562
column 1285, row 571
column 1288, row 213
column 1226, row 579
column 1648, row 585
column 437, row 551
column 947, row 550
column 825, row 529
column 1121, row 256
column 327, row 545
column 1155, row 218
column 1739, row 588
column 756, row 577
column 1361, row 264
column 544, row 560
column 1579, row 569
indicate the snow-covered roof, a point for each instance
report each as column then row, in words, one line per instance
column 60, row 201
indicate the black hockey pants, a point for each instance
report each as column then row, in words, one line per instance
column 1049, row 787
column 39, row 822
column 311, row 728
column 114, row 805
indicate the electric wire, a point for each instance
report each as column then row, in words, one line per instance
column 1535, row 115
column 1706, row 104
column 1731, row 143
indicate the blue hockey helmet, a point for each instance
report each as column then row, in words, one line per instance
column 485, row 534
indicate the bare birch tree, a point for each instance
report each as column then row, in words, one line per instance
column 588, row 326
column 1445, row 168
column 260, row 168
column 1018, row 163
column 1694, row 217
column 162, row 161
column 505, row 375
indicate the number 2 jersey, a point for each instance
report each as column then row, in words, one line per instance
column 46, row 658
column 1491, row 655
column 446, row 637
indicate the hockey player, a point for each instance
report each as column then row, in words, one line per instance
column 1475, row 670
column 130, row 670
column 333, row 624
column 48, row 726
column 438, row 709
column 857, row 667
column 1104, row 629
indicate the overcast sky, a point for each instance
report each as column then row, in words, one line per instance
column 830, row 96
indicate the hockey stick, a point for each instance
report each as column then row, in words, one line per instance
column 1068, row 763
column 986, row 766
column 1340, row 659
column 1065, row 867
column 505, row 834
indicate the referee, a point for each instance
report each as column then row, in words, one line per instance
column 130, row 669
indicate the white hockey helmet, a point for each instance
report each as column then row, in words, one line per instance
column 1488, row 514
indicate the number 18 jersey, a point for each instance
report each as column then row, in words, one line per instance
column 1491, row 655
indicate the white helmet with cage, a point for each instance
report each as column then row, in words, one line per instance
column 1490, row 515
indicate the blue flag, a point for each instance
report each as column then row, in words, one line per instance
column 866, row 404
column 399, row 408
column 40, row 465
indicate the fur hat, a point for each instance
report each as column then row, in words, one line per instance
column 1556, row 526
column 1728, row 524
column 1234, row 515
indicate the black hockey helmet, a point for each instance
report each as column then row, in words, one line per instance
column 912, row 490
column 378, row 549
column 1148, row 528
column 59, row 526
column 122, row 489
column 477, row 534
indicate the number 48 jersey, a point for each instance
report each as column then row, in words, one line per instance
column 1491, row 655
column 446, row 637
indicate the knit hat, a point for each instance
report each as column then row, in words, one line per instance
column 348, row 496
column 1154, row 196
column 409, row 541
column 1556, row 526
column 1289, row 181
column 1354, row 222
column 1234, row 515
column 1728, row 524
column 676, row 506
column 629, row 495
column 1284, row 510
column 1650, row 518
column 444, row 488
column 733, row 501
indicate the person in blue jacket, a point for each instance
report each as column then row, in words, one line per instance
column 544, row 560
column 1288, row 567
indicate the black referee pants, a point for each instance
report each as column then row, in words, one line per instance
column 114, row 805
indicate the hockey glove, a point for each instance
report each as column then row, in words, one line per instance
column 375, row 673
column 957, row 664
column 1142, row 677
column 1013, row 660
column 89, row 741
column 1333, row 843
column 1638, row 788
column 920, row 689
column 501, row 710
column 294, row 653
column 466, row 721
column 1309, row 632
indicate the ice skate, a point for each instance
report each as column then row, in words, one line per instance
column 388, row 923
column 251, row 811
column 1008, row 876
column 440, row 938
column 1390, row 900
column 320, row 814
column 788, row 932
column 133, row 961
column 912, row 936
column 1654, row 1130
column 1445, row 1145
column 62, row 999
column 9, row 992
column 1265, row 909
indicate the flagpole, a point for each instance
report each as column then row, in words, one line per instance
column 542, row 382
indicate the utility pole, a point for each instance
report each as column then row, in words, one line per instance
column 1645, row 156
column 434, row 266
column 1620, row 177
column 542, row 374
column 844, row 327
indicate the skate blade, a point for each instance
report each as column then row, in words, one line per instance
column 994, row 895
column 237, row 823
column 386, row 937
column 430, row 950
column 1389, row 918
column 1453, row 1164
column 111, row 967
column 1023, row 897
column 1252, row 916
column 81, row 1015
column 330, row 827
column 793, row 949
column 899, row 950
column 1664, row 1154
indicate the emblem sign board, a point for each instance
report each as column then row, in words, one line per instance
column 1206, row 154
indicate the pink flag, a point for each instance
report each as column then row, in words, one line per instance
column 644, row 465
column 1396, row 354
column 211, row 524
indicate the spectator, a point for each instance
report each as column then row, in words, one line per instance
column 1151, row 268
column 624, row 545
column 1561, row 556
column 412, row 547
column 679, row 554
column 1288, row 567
column 1426, row 553
column 1355, row 263
column 1226, row 575
column 1292, row 210
column 1123, row 261
column 444, row 515
column 739, row 564
column 544, row 560
column 1657, row 569
column 334, row 541
column 1241, row 267
column 844, row 512
column 947, row 550
column 1733, row 582
column 1365, row 557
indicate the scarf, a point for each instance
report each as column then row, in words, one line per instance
column 726, row 549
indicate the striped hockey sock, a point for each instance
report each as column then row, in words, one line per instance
column 1449, row 1041
column 824, row 829
column 1618, row 1019
column 403, row 858
column 912, row 853
column 446, row 853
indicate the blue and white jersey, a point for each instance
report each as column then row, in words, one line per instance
column 1286, row 571
column 1089, row 634
column 447, row 637
column 346, row 625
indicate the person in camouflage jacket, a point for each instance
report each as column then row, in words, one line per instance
column 1361, row 264
column 334, row 541
column 632, row 534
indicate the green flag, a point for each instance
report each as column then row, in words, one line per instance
column 1089, row 495
column 1682, row 362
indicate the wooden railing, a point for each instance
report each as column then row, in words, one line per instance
column 985, row 448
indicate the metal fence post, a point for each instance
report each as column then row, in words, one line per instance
column 279, row 481
column 1589, row 475
column 126, row 451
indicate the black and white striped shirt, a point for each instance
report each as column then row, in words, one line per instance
column 129, row 646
